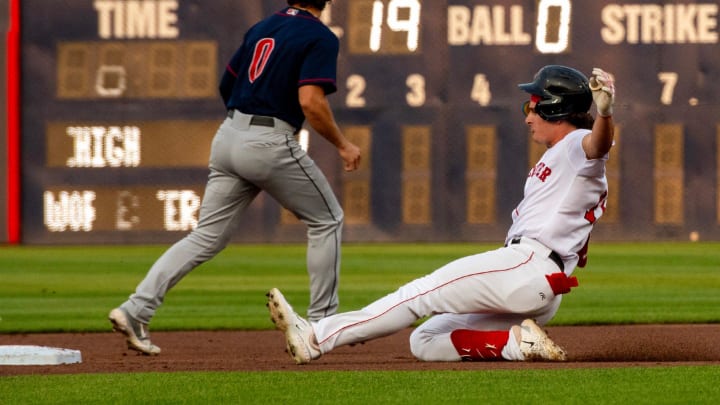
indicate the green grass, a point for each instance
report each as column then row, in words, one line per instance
column 72, row 289
column 659, row 385
column 646, row 283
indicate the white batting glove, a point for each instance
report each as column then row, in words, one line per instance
column 602, row 85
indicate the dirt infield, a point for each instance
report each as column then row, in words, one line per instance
column 587, row 346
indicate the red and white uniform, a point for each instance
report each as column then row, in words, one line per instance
column 564, row 195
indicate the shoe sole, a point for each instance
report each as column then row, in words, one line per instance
column 120, row 324
column 553, row 351
column 279, row 315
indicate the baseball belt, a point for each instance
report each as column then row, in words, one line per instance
column 259, row 120
column 553, row 255
column 559, row 282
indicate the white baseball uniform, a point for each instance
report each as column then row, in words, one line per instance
column 564, row 195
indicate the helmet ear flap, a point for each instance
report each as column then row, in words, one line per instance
column 546, row 111
column 551, row 109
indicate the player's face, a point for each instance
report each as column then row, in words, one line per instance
column 541, row 131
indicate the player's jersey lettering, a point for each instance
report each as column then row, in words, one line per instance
column 263, row 49
column 594, row 213
column 540, row 171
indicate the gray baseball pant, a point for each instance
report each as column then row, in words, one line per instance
column 246, row 159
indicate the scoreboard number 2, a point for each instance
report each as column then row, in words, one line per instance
column 356, row 87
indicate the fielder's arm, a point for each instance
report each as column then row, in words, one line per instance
column 318, row 113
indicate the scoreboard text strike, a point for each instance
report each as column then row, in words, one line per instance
column 120, row 104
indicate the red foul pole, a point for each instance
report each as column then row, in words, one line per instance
column 13, row 122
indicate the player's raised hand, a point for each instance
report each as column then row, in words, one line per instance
column 602, row 85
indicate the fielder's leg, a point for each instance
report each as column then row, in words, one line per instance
column 209, row 238
column 301, row 187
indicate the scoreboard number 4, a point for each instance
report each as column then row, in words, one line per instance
column 480, row 92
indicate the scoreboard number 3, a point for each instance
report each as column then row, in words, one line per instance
column 416, row 97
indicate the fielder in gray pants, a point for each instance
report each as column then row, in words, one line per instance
column 278, row 78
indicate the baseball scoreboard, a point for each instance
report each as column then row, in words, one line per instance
column 120, row 103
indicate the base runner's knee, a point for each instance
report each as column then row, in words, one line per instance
column 432, row 347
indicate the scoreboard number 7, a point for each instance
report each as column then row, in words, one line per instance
column 669, row 81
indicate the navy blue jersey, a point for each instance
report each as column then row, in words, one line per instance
column 279, row 54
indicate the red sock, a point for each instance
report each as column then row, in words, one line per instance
column 474, row 345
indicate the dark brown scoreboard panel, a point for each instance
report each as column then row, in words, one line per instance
column 120, row 103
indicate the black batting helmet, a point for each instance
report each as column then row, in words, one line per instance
column 562, row 90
